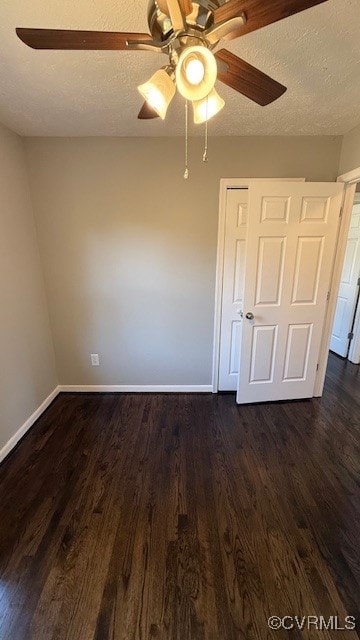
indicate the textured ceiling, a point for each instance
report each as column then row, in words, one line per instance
column 316, row 54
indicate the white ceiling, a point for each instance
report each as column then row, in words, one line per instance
column 316, row 54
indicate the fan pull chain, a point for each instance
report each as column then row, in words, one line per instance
column 186, row 174
column 205, row 156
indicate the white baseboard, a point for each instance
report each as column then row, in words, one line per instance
column 28, row 424
column 115, row 388
column 123, row 388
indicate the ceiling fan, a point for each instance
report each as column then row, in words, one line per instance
column 188, row 31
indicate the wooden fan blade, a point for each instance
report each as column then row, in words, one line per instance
column 260, row 13
column 186, row 6
column 81, row 40
column 246, row 79
column 162, row 5
column 147, row 113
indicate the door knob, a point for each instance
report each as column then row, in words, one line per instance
column 249, row 315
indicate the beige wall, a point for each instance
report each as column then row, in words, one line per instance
column 27, row 368
column 350, row 151
column 129, row 247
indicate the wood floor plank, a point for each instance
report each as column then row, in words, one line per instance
column 183, row 517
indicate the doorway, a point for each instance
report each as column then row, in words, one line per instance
column 230, row 274
column 345, row 336
column 283, row 236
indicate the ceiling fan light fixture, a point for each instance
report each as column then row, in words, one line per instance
column 158, row 92
column 196, row 72
column 207, row 107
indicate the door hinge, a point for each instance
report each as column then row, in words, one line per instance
column 328, row 295
column 350, row 335
column 341, row 212
column 317, row 367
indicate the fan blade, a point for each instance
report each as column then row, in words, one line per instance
column 219, row 31
column 162, row 6
column 248, row 80
column 260, row 13
column 186, row 7
column 147, row 113
column 82, row 40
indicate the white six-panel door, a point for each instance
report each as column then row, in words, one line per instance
column 346, row 302
column 292, row 231
column 234, row 232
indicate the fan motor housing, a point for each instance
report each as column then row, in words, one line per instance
column 200, row 19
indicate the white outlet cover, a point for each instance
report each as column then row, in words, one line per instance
column 95, row 359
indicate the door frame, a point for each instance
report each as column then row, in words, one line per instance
column 354, row 351
column 225, row 184
column 350, row 180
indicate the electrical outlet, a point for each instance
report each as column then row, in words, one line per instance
column 95, row 362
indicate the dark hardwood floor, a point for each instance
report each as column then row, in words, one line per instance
column 183, row 517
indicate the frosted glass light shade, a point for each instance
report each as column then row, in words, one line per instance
column 196, row 72
column 207, row 107
column 158, row 92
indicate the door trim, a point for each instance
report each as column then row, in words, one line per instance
column 225, row 184
column 350, row 179
column 354, row 351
